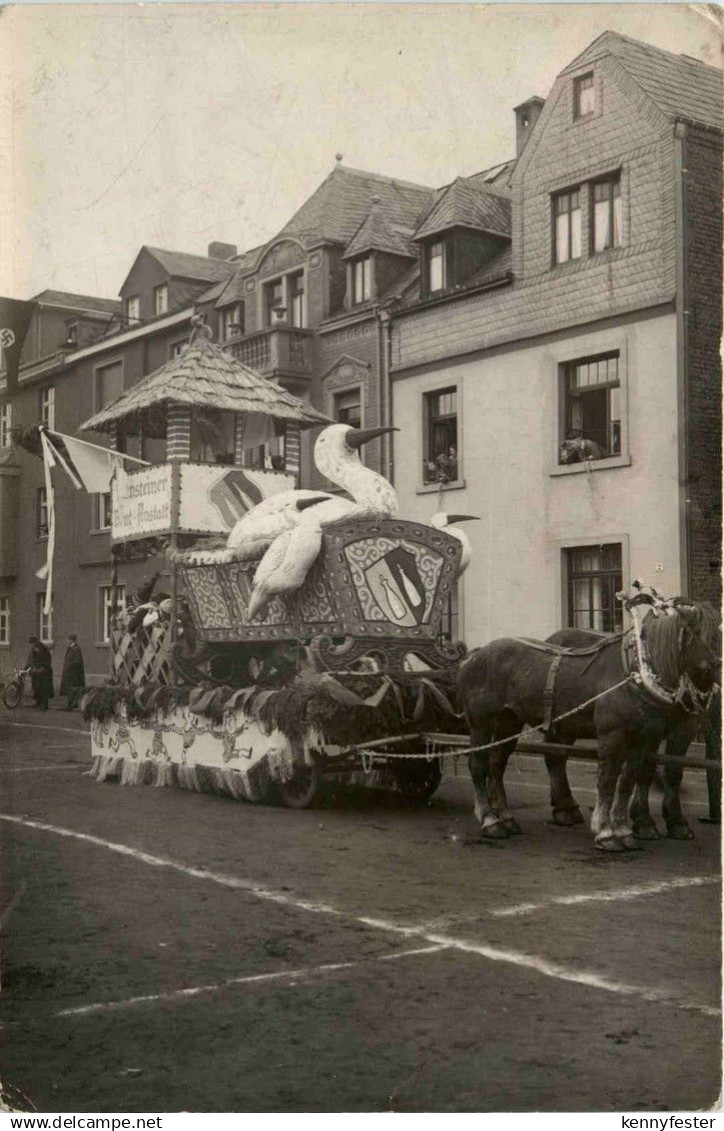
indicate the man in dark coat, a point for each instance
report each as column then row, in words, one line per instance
column 73, row 679
column 40, row 663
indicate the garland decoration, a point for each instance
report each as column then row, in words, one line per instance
column 345, row 707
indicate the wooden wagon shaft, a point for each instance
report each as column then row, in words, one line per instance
column 584, row 754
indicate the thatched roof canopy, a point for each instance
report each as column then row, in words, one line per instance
column 205, row 376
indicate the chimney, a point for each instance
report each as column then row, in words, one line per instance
column 221, row 250
column 526, row 116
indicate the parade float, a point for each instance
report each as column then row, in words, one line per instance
column 300, row 637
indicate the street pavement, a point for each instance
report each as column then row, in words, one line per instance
column 167, row 951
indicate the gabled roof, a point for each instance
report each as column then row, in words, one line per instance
column 233, row 290
column 468, row 203
column 334, row 212
column 205, row 375
column 683, row 88
column 181, row 265
column 77, row 302
column 376, row 233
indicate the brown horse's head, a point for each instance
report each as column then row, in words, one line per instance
column 686, row 640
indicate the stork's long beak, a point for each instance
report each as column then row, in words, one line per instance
column 356, row 437
column 302, row 504
column 462, row 518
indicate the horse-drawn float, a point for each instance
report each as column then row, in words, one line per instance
column 289, row 646
column 310, row 644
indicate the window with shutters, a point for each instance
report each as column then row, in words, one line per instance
column 347, row 407
column 108, row 384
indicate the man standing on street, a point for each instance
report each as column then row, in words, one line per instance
column 40, row 663
column 73, row 679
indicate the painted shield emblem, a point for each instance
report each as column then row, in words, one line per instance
column 397, row 587
column 234, row 495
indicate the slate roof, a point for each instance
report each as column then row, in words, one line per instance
column 181, row 265
column 204, row 374
column 683, row 88
column 334, row 212
column 232, row 290
column 468, row 203
column 377, row 233
column 79, row 302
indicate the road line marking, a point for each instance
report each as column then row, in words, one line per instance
column 35, row 769
column 494, row 954
column 550, row 969
column 248, row 979
column 43, row 726
column 618, row 894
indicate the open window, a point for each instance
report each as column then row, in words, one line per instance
column 440, row 441
column 592, row 409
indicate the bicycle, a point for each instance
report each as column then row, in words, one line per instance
column 13, row 689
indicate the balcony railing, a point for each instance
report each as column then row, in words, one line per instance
column 281, row 351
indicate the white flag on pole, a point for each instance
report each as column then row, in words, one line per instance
column 45, row 573
column 91, row 464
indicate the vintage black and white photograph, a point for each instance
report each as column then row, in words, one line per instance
column 360, row 558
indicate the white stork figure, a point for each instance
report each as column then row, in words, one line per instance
column 286, row 563
column 336, row 457
column 290, row 556
column 442, row 521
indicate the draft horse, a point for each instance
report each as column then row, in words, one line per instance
column 504, row 686
column 683, row 726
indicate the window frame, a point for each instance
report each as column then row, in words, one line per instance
column 297, row 300
column 578, row 81
column 442, row 243
column 6, row 425
column 99, row 526
column 128, row 304
column 565, row 393
column 42, row 529
column 98, row 370
column 612, row 578
column 5, row 621
column 347, row 391
column 576, row 190
column 104, row 609
column 45, row 623
column 442, row 420
column 364, row 265
column 615, row 181
column 231, row 315
column 46, row 406
column 268, row 307
column 160, row 292
column 564, row 354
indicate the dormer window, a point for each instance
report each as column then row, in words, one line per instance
column 362, row 279
column 160, row 299
column 584, row 96
column 436, row 266
column 133, row 308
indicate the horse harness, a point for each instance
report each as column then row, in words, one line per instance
column 557, row 652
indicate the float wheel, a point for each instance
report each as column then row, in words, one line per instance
column 417, row 778
column 301, row 789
